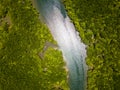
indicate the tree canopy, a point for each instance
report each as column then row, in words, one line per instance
column 23, row 37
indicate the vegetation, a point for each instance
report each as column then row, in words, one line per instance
column 22, row 38
column 99, row 26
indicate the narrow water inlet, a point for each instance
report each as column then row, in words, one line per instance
column 63, row 31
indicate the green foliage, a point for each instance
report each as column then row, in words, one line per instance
column 98, row 24
column 22, row 37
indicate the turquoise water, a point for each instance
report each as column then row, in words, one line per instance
column 63, row 31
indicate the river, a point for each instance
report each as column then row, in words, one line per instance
column 53, row 14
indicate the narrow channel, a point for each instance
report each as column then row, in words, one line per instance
column 63, row 31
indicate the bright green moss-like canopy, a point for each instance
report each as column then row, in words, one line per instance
column 23, row 36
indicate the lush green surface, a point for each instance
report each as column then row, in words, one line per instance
column 98, row 22
column 22, row 37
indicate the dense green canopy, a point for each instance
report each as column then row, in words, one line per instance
column 23, row 36
column 98, row 22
